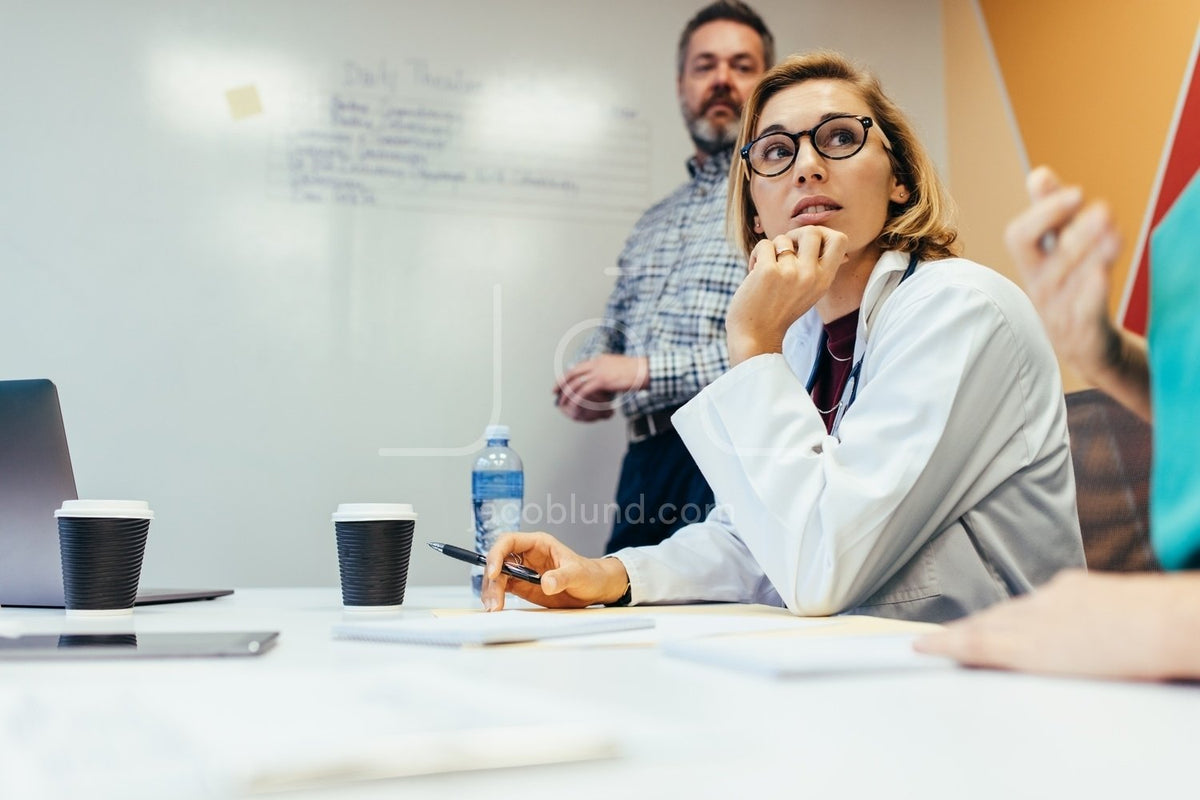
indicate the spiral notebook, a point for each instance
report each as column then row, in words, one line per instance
column 501, row 627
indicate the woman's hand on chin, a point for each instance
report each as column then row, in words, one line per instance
column 787, row 276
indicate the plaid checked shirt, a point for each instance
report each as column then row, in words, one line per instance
column 676, row 277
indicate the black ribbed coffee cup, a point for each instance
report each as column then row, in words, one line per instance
column 374, row 543
column 101, row 545
column 101, row 561
column 373, row 561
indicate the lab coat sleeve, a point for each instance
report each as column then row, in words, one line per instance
column 705, row 561
column 829, row 519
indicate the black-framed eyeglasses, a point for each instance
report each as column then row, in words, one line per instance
column 837, row 137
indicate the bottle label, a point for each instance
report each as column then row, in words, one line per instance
column 498, row 484
column 496, row 516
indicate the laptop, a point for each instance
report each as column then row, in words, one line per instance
column 35, row 478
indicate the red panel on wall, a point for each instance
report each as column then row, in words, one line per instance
column 1183, row 159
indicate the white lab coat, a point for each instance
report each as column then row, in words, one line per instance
column 945, row 487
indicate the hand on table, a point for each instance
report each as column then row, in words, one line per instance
column 1144, row 626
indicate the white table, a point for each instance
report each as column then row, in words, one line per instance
column 125, row 728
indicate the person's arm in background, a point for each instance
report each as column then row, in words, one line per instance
column 671, row 374
column 1068, row 282
column 1141, row 627
column 587, row 391
column 681, row 346
column 677, row 375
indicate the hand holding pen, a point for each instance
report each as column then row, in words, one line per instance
column 515, row 569
column 568, row 580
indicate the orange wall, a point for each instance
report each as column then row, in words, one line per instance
column 1087, row 87
column 1093, row 87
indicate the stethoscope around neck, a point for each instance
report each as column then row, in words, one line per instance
column 852, row 379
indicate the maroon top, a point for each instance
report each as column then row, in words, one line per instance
column 832, row 372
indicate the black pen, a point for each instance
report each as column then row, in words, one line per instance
column 471, row 557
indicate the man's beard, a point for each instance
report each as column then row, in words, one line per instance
column 711, row 137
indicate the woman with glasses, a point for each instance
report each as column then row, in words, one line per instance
column 891, row 437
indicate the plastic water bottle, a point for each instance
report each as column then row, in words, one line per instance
column 497, row 493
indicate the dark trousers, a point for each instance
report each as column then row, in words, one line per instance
column 661, row 489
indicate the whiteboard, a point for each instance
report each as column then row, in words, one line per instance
column 281, row 255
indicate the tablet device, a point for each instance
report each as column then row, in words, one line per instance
column 87, row 646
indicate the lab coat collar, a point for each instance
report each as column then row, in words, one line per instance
column 885, row 277
column 804, row 335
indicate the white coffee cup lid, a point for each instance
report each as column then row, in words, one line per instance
column 364, row 512
column 105, row 509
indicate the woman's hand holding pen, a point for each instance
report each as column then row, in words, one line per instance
column 568, row 579
column 787, row 276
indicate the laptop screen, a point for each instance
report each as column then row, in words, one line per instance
column 35, row 477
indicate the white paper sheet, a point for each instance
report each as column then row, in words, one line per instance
column 789, row 656
column 501, row 627
column 671, row 627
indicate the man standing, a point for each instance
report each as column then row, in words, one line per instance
column 663, row 337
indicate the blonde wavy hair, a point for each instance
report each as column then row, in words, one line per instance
column 922, row 224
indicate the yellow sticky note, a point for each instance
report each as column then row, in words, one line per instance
column 243, row 102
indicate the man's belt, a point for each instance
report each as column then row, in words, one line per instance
column 652, row 424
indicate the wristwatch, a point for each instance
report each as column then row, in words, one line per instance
column 623, row 600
